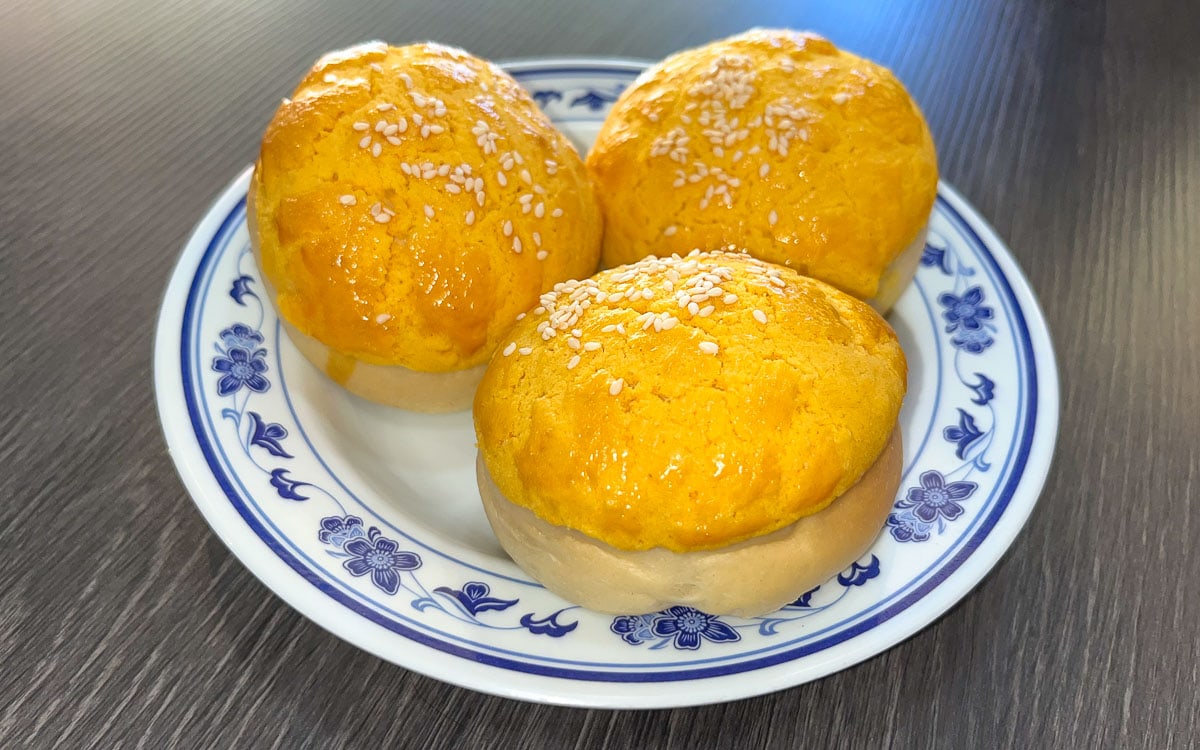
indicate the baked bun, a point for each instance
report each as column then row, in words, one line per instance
column 776, row 141
column 407, row 204
column 710, row 430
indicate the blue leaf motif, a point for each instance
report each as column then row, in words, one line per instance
column 474, row 597
column 934, row 256
column 804, row 599
column 286, row 486
column 596, row 100
column 545, row 96
column 984, row 389
column 424, row 603
column 233, row 414
column 857, row 575
column 964, row 434
column 267, row 435
column 241, row 288
column 548, row 625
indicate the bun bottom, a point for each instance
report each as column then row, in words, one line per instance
column 896, row 277
column 391, row 385
column 745, row 579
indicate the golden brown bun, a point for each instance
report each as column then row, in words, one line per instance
column 771, row 140
column 407, row 204
column 745, row 579
column 688, row 403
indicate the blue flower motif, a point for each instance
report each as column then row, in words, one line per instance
column 973, row 340
column 963, row 434
column 634, row 629
column 241, row 336
column 241, row 369
column 381, row 559
column 905, row 527
column 337, row 530
column 689, row 626
column 805, row 599
column 966, row 312
column 475, row 597
column 984, row 389
column 934, row 498
column 286, row 486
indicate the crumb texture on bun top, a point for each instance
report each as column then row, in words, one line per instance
column 409, row 201
column 773, row 140
column 688, row 402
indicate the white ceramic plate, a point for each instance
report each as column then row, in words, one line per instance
column 367, row 519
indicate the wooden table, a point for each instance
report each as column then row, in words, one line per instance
column 1074, row 127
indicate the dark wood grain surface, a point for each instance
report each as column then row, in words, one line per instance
column 1074, row 127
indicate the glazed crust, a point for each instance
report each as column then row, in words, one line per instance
column 772, row 140
column 390, row 209
column 626, row 410
column 745, row 579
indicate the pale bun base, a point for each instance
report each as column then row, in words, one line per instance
column 392, row 385
column 745, row 579
column 896, row 277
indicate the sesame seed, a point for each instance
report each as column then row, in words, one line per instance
column 591, row 346
column 401, row 125
column 537, row 239
column 706, row 311
column 393, row 140
column 516, row 244
column 670, row 231
column 348, row 200
column 608, row 328
column 378, row 69
column 377, row 149
column 616, row 386
column 382, row 318
column 361, row 126
column 542, row 255
column 417, row 118
column 407, row 79
column 383, row 218
column 709, row 347
column 443, row 170
column 386, row 106
column 521, row 316
column 452, row 188
column 479, row 198
column 647, row 294
column 470, row 218
column 764, row 169
column 841, row 98
column 526, row 350
column 556, row 213
column 512, row 347
column 573, row 362
column 539, row 210
column 425, row 130
column 693, row 308
column 391, row 130
column 760, row 316
column 526, row 177
column 573, row 342
column 366, row 141
column 381, row 126
column 429, row 210
column 502, row 179
column 729, row 299
column 508, row 229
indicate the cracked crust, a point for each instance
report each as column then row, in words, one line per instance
column 649, row 440
column 840, row 198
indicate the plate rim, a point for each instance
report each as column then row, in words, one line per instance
column 278, row 575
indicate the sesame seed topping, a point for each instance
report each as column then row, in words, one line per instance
column 542, row 255
column 382, row 318
column 365, row 141
column 407, row 79
column 537, row 239
column 772, row 218
column 841, row 97
column 508, row 229
column 729, row 299
column 764, row 169
column 556, row 213
column 516, row 244
column 670, row 231
column 591, row 346
column 383, row 218
column 616, row 386
column 706, row 311
column 378, row 69
column 520, row 316
column 393, row 140
column 361, row 126
column 470, row 219
column 479, row 198
column 526, row 350
column 502, row 179
column 573, row 342
column 386, row 106
column 760, row 316
column 381, row 126
column 348, row 200
column 512, row 347
column 452, row 188
column 377, row 149
column 709, row 347
column 528, row 178
column 571, row 364
column 539, row 210
column 429, row 210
